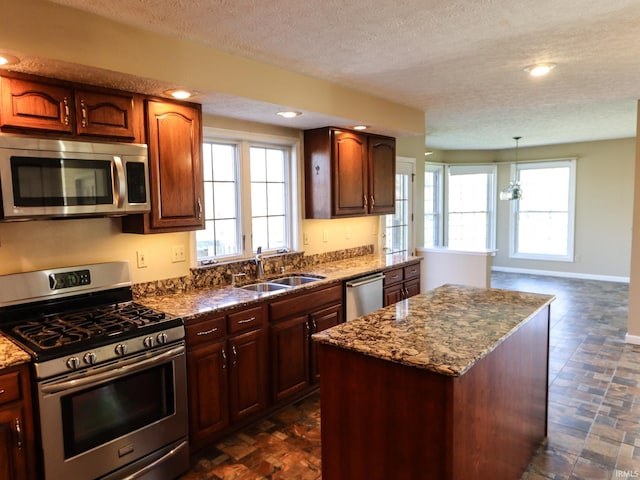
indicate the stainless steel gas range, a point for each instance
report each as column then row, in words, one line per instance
column 110, row 374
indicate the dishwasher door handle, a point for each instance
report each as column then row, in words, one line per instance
column 364, row 280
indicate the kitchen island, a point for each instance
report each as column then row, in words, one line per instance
column 450, row 384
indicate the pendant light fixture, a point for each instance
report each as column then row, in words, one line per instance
column 513, row 191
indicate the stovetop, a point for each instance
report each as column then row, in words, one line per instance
column 89, row 327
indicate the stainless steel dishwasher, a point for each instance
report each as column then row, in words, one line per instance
column 364, row 295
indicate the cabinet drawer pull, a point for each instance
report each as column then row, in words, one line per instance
column 224, row 359
column 247, row 320
column 83, row 109
column 66, row 111
column 373, row 201
column 19, row 433
column 199, row 209
column 208, row 332
column 365, row 201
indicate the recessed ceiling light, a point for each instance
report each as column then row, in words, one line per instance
column 6, row 59
column 540, row 69
column 360, row 127
column 179, row 93
column 289, row 114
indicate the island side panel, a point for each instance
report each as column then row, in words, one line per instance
column 500, row 406
column 380, row 420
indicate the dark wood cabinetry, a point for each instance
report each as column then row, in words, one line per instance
column 348, row 173
column 174, row 137
column 16, row 428
column 227, row 371
column 40, row 106
column 401, row 283
column 294, row 365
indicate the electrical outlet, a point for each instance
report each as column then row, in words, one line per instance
column 177, row 253
column 142, row 258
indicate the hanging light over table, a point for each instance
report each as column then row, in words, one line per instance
column 513, row 191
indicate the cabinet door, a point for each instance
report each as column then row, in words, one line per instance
column 321, row 320
column 393, row 294
column 247, row 359
column 34, row 105
column 349, row 174
column 12, row 458
column 412, row 288
column 290, row 356
column 382, row 175
column 174, row 137
column 208, row 392
column 107, row 115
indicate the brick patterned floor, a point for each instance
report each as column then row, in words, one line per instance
column 594, row 400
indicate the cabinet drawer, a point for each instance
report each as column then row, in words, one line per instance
column 10, row 387
column 248, row 319
column 412, row 271
column 393, row 276
column 206, row 330
column 306, row 301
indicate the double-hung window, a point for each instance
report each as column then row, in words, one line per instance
column 248, row 197
column 433, row 190
column 542, row 223
column 471, row 205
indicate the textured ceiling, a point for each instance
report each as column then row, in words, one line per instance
column 460, row 61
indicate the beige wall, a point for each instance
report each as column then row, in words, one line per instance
column 604, row 203
column 633, row 324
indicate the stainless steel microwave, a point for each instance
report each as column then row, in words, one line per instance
column 46, row 178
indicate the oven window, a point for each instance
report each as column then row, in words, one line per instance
column 100, row 414
column 39, row 182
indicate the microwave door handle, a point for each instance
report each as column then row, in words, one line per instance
column 119, row 180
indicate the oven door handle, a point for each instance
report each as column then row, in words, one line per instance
column 132, row 366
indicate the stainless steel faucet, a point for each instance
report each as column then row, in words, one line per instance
column 259, row 264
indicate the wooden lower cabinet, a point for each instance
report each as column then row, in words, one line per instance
column 16, row 428
column 247, row 374
column 294, row 366
column 227, row 372
column 401, row 283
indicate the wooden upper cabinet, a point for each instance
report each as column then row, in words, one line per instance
column 102, row 114
column 348, row 173
column 174, row 137
column 33, row 105
column 382, row 174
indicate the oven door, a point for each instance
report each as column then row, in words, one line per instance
column 102, row 419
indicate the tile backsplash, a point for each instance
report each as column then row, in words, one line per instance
column 220, row 274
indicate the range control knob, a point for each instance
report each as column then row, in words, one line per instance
column 121, row 349
column 148, row 342
column 89, row 358
column 73, row 363
column 162, row 338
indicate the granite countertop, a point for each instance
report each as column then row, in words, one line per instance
column 446, row 330
column 10, row 354
column 194, row 304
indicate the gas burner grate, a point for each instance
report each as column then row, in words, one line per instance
column 63, row 329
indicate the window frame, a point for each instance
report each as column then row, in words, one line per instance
column 491, row 170
column 438, row 224
column 244, row 141
column 515, row 204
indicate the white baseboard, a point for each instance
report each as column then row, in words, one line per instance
column 632, row 339
column 553, row 273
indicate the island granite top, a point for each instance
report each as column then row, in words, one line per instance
column 446, row 330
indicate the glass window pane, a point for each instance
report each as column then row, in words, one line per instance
column 226, row 241
column 258, row 164
column 208, row 201
column 276, row 232
column 224, row 162
column 259, row 204
column 275, row 165
column 260, row 232
column 225, row 206
column 207, row 162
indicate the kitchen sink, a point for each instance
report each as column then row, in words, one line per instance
column 294, row 280
column 265, row 287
